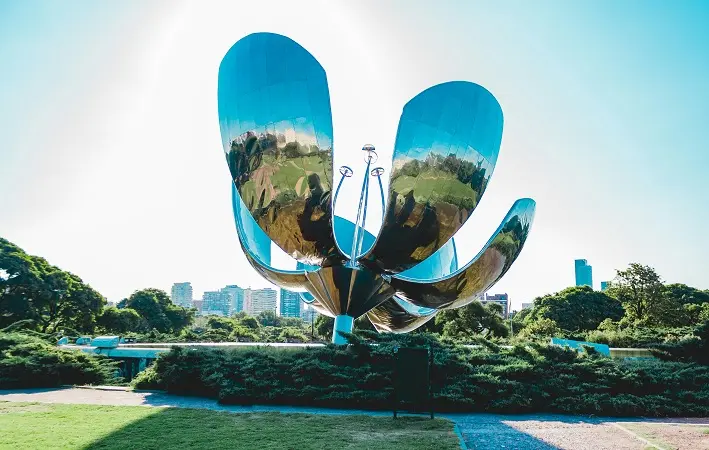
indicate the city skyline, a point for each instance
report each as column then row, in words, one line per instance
column 596, row 98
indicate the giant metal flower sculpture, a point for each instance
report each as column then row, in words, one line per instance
column 276, row 127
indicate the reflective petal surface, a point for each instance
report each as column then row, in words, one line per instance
column 344, row 290
column 481, row 273
column 344, row 231
column 254, row 241
column 446, row 148
column 397, row 316
column 276, row 127
column 442, row 263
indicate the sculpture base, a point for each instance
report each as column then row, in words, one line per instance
column 342, row 323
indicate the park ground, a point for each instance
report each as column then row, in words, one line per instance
column 79, row 418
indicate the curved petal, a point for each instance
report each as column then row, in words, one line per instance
column 442, row 263
column 446, row 148
column 345, row 290
column 399, row 316
column 307, row 297
column 285, row 279
column 276, row 127
column 481, row 273
column 254, row 241
column 344, row 231
column 257, row 246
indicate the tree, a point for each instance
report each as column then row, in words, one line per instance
column 474, row 318
column 155, row 306
column 639, row 289
column 268, row 319
column 323, row 326
column 220, row 323
column 692, row 314
column 121, row 321
column 577, row 308
column 249, row 322
column 683, row 294
column 31, row 288
column 542, row 328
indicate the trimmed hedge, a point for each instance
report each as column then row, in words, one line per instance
column 30, row 362
column 535, row 378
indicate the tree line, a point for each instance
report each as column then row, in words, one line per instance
column 638, row 309
column 637, row 298
column 44, row 298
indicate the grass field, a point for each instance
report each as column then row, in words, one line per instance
column 53, row 426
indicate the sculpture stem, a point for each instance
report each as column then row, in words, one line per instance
column 342, row 323
column 355, row 237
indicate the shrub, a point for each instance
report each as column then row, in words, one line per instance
column 28, row 361
column 694, row 348
column 531, row 378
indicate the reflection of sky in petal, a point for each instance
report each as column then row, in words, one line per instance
column 271, row 82
column 272, row 89
column 448, row 118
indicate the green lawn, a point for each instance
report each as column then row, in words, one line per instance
column 51, row 426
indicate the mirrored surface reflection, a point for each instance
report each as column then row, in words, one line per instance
column 442, row 263
column 254, row 241
column 399, row 316
column 481, row 273
column 276, row 126
column 344, row 231
column 445, row 151
column 344, row 290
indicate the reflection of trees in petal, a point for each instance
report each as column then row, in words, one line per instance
column 245, row 155
column 286, row 187
column 443, row 173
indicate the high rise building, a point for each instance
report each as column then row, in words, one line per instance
column 181, row 294
column 259, row 300
column 527, row 305
column 584, row 276
column 216, row 303
column 290, row 304
column 247, row 300
column 501, row 299
column 605, row 285
column 308, row 314
column 236, row 295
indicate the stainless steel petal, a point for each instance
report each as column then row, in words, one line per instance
column 446, row 149
column 252, row 238
column 290, row 280
column 276, row 127
column 481, row 273
column 344, row 290
column 396, row 316
column 256, row 247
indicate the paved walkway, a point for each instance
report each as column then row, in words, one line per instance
column 479, row 431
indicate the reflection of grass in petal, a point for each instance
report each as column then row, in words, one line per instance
column 289, row 171
column 278, row 176
column 435, row 186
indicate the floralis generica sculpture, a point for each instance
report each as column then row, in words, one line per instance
column 276, row 127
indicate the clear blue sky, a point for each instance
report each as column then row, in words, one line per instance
column 111, row 164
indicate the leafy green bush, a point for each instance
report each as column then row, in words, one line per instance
column 525, row 378
column 28, row 361
column 640, row 337
column 694, row 348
